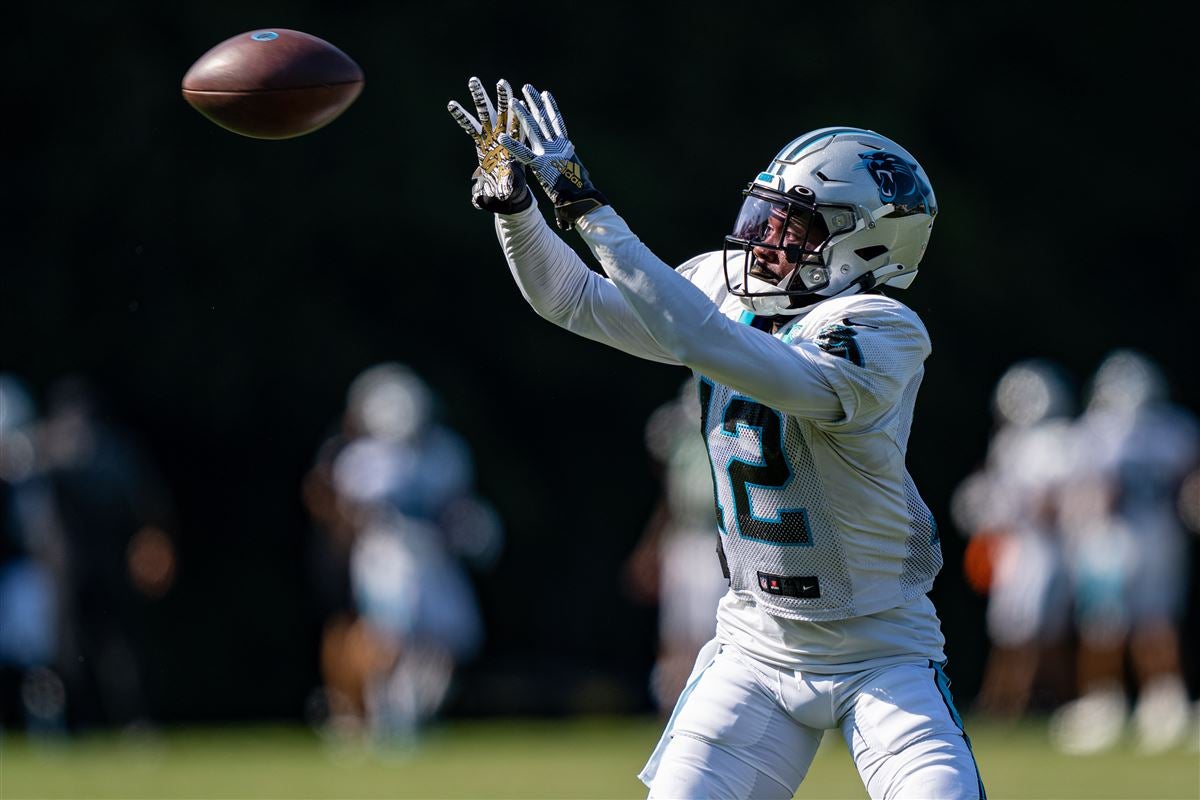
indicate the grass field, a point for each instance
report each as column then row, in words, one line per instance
column 587, row 758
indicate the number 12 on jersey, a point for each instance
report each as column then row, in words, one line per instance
column 747, row 451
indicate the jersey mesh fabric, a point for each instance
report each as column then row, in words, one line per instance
column 924, row 548
column 786, row 529
column 844, row 510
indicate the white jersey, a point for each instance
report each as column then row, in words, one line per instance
column 1132, row 548
column 806, row 430
column 1145, row 453
column 1027, row 465
column 819, row 518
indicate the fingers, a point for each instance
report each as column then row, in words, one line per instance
column 536, row 119
column 503, row 94
column 478, row 188
column 519, row 151
column 504, row 114
column 556, row 120
column 466, row 121
column 483, row 104
column 532, row 132
column 533, row 103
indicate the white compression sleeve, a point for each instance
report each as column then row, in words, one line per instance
column 563, row 290
column 684, row 321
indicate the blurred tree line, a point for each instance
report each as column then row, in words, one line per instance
column 222, row 292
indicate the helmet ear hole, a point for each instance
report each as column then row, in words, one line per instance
column 869, row 254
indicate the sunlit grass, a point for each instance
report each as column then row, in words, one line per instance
column 585, row 758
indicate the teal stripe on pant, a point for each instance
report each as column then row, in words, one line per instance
column 943, row 684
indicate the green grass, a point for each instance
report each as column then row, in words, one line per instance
column 587, row 758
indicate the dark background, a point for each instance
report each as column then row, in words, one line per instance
column 222, row 292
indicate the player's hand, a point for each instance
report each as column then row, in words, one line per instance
column 552, row 157
column 497, row 185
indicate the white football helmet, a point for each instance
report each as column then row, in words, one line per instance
column 389, row 401
column 1126, row 381
column 1031, row 392
column 838, row 211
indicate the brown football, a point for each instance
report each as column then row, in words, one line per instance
column 273, row 83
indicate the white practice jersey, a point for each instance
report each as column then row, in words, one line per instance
column 819, row 518
column 1144, row 453
column 806, row 430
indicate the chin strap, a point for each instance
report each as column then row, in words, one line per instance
column 867, row 282
column 875, row 279
column 864, row 283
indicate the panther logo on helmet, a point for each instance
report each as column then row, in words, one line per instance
column 899, row 183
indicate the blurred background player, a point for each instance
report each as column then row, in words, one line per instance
column 1189, row 514
column 345, row 652
column 673, row 564
column 32, row 695
column 1128, row 558
column 112, row 517
column 1009, row 510
column 394, row 492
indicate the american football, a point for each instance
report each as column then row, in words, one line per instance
column 273, row 83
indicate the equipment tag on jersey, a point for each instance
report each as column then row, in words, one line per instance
column 808, row 587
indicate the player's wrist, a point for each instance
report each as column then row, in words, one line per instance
column 567, row 211
column 485, row 194
column 520, row 201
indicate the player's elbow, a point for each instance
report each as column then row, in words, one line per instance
column 557, row 315
column 547, row 309
column 695, row 345
column 686, row 350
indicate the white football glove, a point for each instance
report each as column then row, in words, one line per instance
column 497, row 185
column 552, row 157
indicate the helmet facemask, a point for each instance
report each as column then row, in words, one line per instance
column 774, row 258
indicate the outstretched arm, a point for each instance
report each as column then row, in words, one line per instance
column 558, row 285
column 689, row 326
column 563, row 290
column 676, row 315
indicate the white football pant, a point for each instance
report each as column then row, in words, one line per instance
column 743, row 729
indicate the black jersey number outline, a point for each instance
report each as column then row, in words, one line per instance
column 772, row 471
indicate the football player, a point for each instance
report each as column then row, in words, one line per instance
column 807, row 376
column 673, row 562
column 1129, row 559
column 1010, row 509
